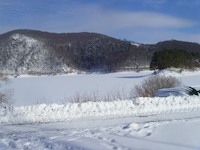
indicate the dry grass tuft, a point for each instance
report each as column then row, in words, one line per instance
column 113, row 94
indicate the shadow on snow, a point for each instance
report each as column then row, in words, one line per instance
column 131, row 77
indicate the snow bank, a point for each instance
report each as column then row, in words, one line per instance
column 177, row 72
column 63, row 112
column 171, row 104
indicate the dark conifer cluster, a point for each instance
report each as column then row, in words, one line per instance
column 175, row 58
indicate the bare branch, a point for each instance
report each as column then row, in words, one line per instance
column 150, row 85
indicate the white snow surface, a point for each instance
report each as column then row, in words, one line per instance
column 64, row 112
column 178, row 72
column 136, row 44
column 31, row 90
column 139, row 124
column 29, row 41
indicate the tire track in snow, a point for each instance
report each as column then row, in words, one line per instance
column 98, row 122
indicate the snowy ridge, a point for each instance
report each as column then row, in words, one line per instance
column 63, row 112
column 136, row 44
column 26, row 40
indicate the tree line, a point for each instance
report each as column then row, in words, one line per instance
column 174, row 58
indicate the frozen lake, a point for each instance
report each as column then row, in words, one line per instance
column 31, row 90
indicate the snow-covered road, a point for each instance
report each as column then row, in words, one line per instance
column 166, row 131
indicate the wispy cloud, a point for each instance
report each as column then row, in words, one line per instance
column 89, row 16
column 145, row 19
column 98, row 21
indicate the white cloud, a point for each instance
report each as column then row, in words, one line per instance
column 79, row 17
column 145, row 19
column 99, row 21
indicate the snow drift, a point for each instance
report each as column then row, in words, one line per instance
column 62, row 112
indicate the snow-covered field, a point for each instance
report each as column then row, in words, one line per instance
column 143, row 123
column 48, row 89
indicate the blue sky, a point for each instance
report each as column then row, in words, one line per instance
column 144, row 21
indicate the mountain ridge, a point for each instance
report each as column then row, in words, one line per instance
column 31, row 51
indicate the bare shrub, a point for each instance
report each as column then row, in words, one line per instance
column 6, row 94
column 149, row 86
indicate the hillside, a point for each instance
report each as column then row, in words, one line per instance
column 30, row 51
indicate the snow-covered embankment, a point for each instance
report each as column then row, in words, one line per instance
column 63, row 112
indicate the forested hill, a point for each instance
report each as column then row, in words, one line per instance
column 30, row 51
column 174, row 44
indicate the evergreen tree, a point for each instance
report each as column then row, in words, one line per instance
column 174, row 58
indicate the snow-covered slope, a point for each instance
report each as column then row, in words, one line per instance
column 136, row 44
column 29, row 51
column 25, row 54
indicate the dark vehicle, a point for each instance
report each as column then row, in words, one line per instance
column 178, row 91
